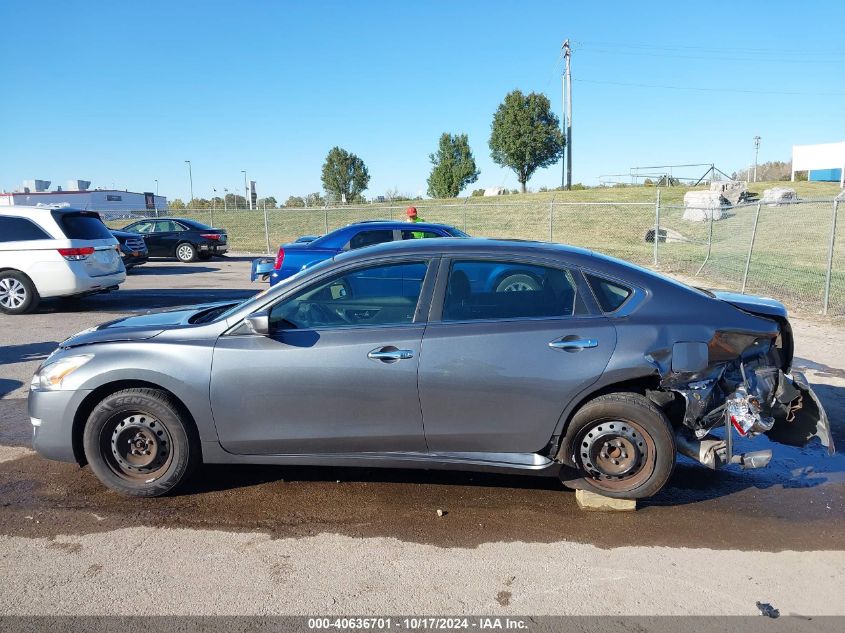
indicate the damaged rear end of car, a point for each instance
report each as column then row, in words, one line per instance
column 741, row 382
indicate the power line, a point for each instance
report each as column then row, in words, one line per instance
column 698, row 89
column 709, row 48
column 731, row 58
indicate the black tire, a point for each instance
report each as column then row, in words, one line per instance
column 186, row 252
column 146, row 421
column 18, row 294
column 620, row 431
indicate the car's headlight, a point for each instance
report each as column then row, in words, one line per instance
column 51, row 376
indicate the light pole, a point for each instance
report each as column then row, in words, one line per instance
column 191, row 179
column 156, row 186
column 246, row 191
column 225, row 193
column 756, row 151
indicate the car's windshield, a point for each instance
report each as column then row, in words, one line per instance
column 281, row 284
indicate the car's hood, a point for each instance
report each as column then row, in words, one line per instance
column 141, row 326
column 753, row 304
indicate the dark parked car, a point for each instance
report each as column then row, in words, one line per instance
column 133, row 248
column 310, row 249
column 186, row 240
column 410, row 354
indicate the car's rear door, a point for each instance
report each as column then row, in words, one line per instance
column 510, row 342
column 338, row 372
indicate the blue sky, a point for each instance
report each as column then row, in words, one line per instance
column 121, row 93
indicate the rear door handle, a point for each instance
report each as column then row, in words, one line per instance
column 569, row 344
column 390, row 354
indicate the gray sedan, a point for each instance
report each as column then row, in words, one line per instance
column 443, row 353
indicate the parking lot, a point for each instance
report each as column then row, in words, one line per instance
column 273, row 540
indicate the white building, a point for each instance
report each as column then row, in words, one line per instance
column 78, row 196
column 823, row 161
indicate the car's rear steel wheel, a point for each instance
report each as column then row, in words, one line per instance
column 623, row 444
column 617, row 455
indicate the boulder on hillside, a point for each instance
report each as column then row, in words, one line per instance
column 734, row 191
column 778, row 195
column 700, row 206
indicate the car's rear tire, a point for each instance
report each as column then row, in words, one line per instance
column 624, row 446
column 139, row 443
column 186, row 252
column 518, row 282
column 18, row 294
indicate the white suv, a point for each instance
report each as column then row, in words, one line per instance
column 48, row 252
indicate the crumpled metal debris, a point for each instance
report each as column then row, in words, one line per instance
column 746, row 415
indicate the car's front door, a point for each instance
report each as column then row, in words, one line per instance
column 515, row 342
column 338, row 372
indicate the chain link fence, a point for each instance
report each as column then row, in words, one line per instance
column 794, row 252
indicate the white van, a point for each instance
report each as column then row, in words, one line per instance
column 47, row 252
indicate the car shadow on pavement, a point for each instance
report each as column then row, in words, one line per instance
column 27, row 352
column 146, row 299
column 8, row 386
column 216, row 477
column 176, row 269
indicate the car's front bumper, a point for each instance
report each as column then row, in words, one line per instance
column 52, row 413
column 135, row 259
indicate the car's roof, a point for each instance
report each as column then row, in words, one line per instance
column 21, row 209
column 396, row 224
column 465, row 244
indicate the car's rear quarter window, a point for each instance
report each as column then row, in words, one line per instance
column 609, row 294
column 82, row 226
column 20, row 230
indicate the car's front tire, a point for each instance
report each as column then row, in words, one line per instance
column 624, row 445
column 139, row 443
column 186, row 252
column 18, row 294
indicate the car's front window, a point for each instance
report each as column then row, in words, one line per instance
column 385, row 294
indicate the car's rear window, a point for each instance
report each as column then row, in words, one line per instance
column 84, row 225
column 609, row 294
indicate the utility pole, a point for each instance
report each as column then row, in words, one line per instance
column 191, row 179
column 567, row 118
column 156, row 186
column 225, row 193
column 756, row 151
column 247, row 201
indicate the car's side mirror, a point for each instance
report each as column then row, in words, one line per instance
column 259, row 322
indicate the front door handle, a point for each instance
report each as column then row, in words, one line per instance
column 390, row 354
column 572, row 344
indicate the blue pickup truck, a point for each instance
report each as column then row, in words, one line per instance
column 308, row 250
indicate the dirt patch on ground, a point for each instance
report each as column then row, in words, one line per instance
column 721, row 510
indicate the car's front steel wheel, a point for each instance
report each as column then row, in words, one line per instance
column 139, row 443
column 624, row 446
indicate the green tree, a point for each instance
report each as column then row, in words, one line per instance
column 314, row 200
column 269, row 201
column 295, row 202
column 344, row 175
column 525, row 135
column 176, row 203
column 453, row 167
